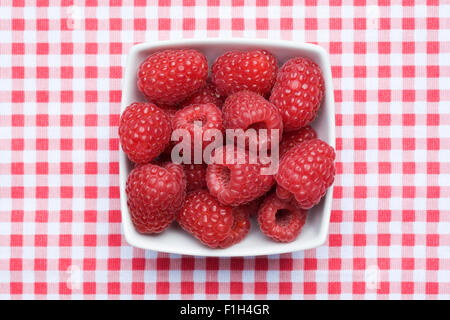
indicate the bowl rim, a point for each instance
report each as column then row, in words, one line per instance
column 130, row 72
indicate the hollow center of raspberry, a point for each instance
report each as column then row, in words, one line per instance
column 283, row 217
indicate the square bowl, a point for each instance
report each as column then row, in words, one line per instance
column 174, row 239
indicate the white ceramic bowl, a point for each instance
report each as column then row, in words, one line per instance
column 175, row 240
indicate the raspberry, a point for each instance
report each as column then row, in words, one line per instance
column 298, row 92
column 246, row 109
column 291, row 139
column 240, row 228
column 169, row 76
column 154, row 196
column 281, row 220
column 144, row 131
column 208, row 115
column 233, row 180
column 195, row 176
column 206, row 218
column 306, row 171
column 245, row 70
column 207, row 94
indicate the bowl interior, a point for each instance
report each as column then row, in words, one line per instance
column 175, row 240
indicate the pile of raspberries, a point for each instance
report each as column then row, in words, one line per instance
column 214, row 202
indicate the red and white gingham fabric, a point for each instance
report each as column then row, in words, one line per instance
column 61, row 65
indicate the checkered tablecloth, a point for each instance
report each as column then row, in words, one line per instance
column 61, row 68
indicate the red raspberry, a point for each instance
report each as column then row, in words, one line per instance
column 245, row 70
column 195, row 176
column 306, row 171
column 298, row 92
column 291, row 139
column 249, row 110
column 281, row 220
column 144, row 131
column 169, row 76
column 240, row 228
column 206, row 218
column 236, row 181
column 207, row 94
column 208, row 115
column 154, row 196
